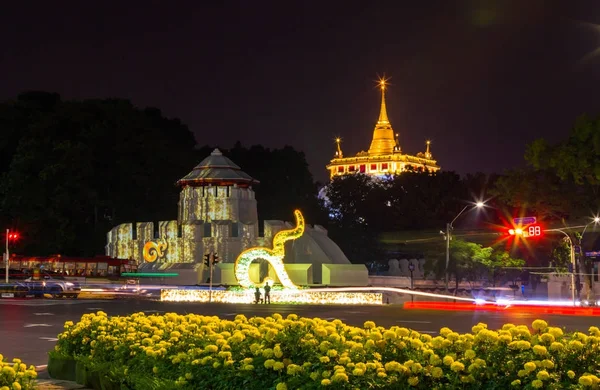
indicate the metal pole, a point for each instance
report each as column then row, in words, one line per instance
column 7, row 260
column 572, row 273
column 211, row 260
column 448, row 227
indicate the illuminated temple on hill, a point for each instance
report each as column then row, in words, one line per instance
column 218, row 215
column 385, row 156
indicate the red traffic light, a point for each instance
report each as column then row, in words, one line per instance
column 526, row 231
column 13, row 236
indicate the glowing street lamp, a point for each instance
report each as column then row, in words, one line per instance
column 449, row 228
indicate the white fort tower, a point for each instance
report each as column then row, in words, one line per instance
column 217, row 214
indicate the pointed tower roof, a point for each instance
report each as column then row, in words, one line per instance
column 217, row 169
column 383, row 136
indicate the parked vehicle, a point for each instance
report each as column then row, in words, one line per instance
column 48, row 283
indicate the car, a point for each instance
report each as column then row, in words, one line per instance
column 50, row 283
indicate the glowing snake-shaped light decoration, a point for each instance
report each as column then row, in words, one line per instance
column 273, row 256
column 154, row 250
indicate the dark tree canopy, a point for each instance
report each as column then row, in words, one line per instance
column 71, row 170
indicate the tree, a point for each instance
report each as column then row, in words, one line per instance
column 354, row 204
column 81, row 167
column 575, row 162
column 498, row 263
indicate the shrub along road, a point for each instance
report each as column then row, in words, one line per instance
column 28, row 328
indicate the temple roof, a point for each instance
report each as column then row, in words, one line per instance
column 217, row 169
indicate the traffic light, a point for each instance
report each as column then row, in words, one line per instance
column 207, row 259
column 215, row 259
column 13, row 236
column 531, row 231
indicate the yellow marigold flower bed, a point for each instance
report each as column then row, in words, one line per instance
column 206, row 352
column 16, row 375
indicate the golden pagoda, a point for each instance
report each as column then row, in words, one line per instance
column 385, row 156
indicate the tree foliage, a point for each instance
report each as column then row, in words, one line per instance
column 562, row 181
column 74, row 169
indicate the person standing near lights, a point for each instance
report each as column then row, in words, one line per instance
column 267, row 293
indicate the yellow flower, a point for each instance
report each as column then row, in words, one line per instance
column 457, row 366
column 540, row 350
column 556, row 332
column 325, row 382
column 571, row 374
column 269, row 363
column 437, row 372
column 277, row 351
column 585, row 380
column 281, row 386
column 293, row 369
column 543, row 375
column 339, row 377
column 539, row 325
column 389, row 335
column 537, row 384
column 547, row 363
column 547, row 338
column 469, row 354
column 358, row 372
column 278, row 366
column 324, row 359
column 369, row 325
column 516, row 382
column 16, row 386
column 448, row 360
column 211, row 348
column 155, row 370
column 556, row 346
column 267, row 353
column 413, row 381
column 332, row 353
column 575, row 344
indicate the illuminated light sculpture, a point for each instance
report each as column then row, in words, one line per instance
column 272, row 256
column 154, row 250
column 284, row 296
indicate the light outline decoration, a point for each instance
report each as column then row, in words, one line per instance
column 154, row 250
column 272, row 256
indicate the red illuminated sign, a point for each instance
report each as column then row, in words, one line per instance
column 527, row 231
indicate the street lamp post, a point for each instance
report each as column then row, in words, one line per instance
column 7, row 258
column 449, row 237
column 411, row 268
column 572, row 254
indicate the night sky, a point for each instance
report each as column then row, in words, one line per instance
column 480, row 78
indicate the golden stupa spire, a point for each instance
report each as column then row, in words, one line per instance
column 338, row 153
column 383, row 118
column 383, row 136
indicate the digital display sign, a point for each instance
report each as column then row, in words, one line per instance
column 527, row 231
